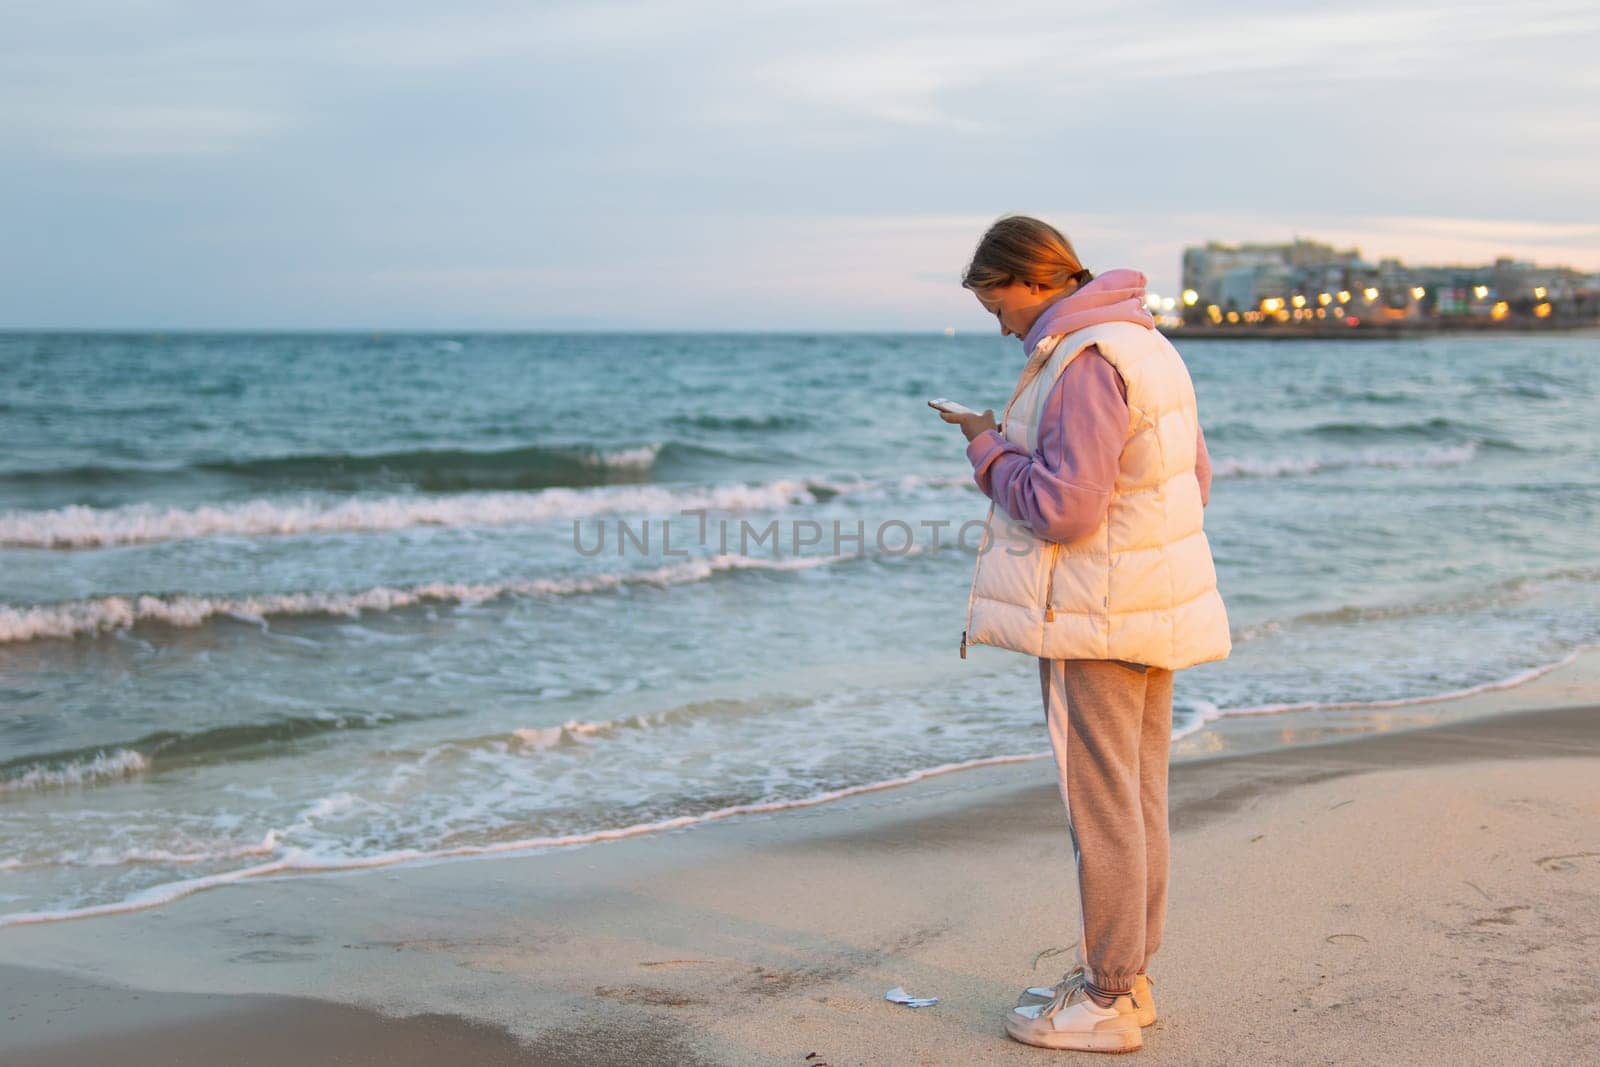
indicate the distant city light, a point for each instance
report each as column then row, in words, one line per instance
column 1152, row 300
column 1409, row 299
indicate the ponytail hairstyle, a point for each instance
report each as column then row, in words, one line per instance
column 1018, row 248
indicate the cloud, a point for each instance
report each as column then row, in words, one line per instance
column 803, row 163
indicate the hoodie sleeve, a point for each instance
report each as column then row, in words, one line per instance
column 1062, row 491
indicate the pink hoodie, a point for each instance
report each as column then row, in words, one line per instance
column 1063, row 490
column 1115, row 296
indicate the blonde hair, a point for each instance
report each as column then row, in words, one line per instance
column 1018, row 248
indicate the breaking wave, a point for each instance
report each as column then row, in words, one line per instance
column 88, row 770
column 100, row 615
column 79, row 527
column 98, row 764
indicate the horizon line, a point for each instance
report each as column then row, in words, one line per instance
column 191, row 331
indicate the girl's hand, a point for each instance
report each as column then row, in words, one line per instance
column 971, row 425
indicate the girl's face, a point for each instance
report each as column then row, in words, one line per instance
column 1017, row 305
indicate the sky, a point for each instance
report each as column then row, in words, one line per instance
column 687, row 165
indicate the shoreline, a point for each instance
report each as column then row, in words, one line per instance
column 1572, row 680
column 730, row 944
column 1275, row 726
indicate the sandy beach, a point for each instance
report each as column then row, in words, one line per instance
column 1405, row 896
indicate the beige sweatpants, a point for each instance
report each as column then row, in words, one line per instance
column 1110, row 728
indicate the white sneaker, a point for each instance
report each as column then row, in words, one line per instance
column 1072, row 1020
column 1144, row 999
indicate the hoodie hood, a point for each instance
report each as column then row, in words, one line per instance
column 1115, row 296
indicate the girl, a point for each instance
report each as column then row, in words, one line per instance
column 1099, row 475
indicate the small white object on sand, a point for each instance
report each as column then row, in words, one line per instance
column 898, row 995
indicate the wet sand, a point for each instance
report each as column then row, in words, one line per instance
column 1429, row 895
column 58, row 1018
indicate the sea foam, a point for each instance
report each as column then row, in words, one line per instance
column 80, row 618
column 79, row 527
column 118, row 764
column 300, row 862
column 1394, row 459
column 297, row 861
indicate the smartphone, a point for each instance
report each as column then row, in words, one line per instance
column 951, row 406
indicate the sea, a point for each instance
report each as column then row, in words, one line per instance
column 280, row 604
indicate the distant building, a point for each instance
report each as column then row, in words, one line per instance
column 1307, row 282
column 1239, row 277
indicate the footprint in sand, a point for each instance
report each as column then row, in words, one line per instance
column 1501, row 916
column 653, row 995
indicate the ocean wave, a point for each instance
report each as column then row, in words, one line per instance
column 742, row 423
column 1510, row 682
column 1245, row 634
column 1495, row 594
column 1294, row 466
column 1439, row 429
column 1430, row 428
column 545, row 737
column 1352, row 394
column 100, row 767
column 1492, row 595
column 81, row 618
column 106, row 856
column 575, row 732
column 100, row 764
column 79, row 527
column 430, row 470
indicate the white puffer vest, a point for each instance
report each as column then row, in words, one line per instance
column 1141, row 588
